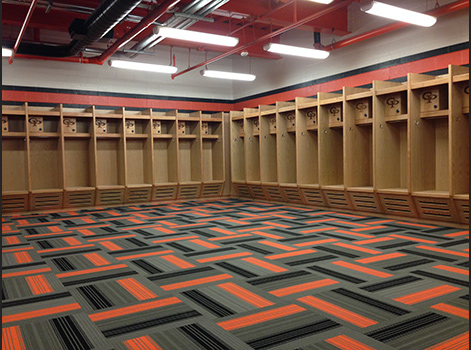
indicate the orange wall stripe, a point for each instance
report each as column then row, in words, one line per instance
column 177, row 261
column 96, row 269
column 23, row 273
column 321, row 241
column 224, row 257
column 264, row 264
column 128, row 310
column 375, row 240
column 137, row 256
column 204, row 244
column 196, row 282
column 245, row 295
column 39, row 284
column 110, row 238
column 264, row 316
column 175, row 239
column 96, row 259
column 445, row 251
column 339, row 312
column 302, row 287
column 287, row 255
column 362, row 269
column 460, row 342
column 142, row 343
column 413, row 239
column 22, row 257
column 380, row 258
column 453, row 310
column 452, row 269
column 344, row 342
column 136, row 289
column 353, row 247
column 111, row 246
column 38, row 313
column 427, row 294
column 278, row 245
column 12, row 339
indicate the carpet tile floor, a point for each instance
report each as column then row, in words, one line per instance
column 231, row 274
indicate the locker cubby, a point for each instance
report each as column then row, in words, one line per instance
column 252, row 144
column 110, row 163
column 286, row 143
column 46, row 163
column 212, row 151
column 390, row 101
column 79, row 166
column 237, row 146
column 44, row 121
column 268, row 147
column 165, row 164
column 189, row 154
column 13, row 125
column 137, row 127
column 77, row 126
column 14, row 165
column 138, row 162
column 429, row 94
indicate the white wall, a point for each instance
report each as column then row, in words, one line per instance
column 271, row 74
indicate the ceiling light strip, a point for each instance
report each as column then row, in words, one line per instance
column 146, row 67
column 296, row 51
column 227, row 75
column 189, row 35
column 399, row 14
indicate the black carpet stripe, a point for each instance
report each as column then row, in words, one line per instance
column 95, row 297
column 32, row 300
column 70, row 334
column 74, row 252
column 311, row 260
column 63, row 264
column 441, row 278
column 396, row 245
column 212, row 251
column 180, row 273
column 408, row 264
column 147, row 266
column 337, row 252
column 426, row 255
column 255, row 249
column 180, row 247
column 279, row 277
column 451, row 244
column 98, row 278
column 237, row 270
column 199, row 335
column 208, row 303
column 11, row 267
column 336, row 274
column 389, row 284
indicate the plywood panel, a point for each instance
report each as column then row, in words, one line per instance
column 45, row 158
column 137, row 161
column 108, row 162
column 77, row 163
column 14, row 165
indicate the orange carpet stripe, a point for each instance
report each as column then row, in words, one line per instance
column 48, row 234
column 96, row 259
column 323, row 213
column 452, row 310
column 12, row 240
column 111, row 246
column 191, row 225
column 360, row 249
column 427, row 294
column 317, row 221
column 285, row 217
column 319, row 230
column 344, row 342
column 110, row 238
column 261, row 317
column 55, row 229
column 321, row 241
column 375, row 240
column 39, row 313
column 177, row 261
column 416, row 225
column 142, row 343
column 16, row 249
column 460, row 342
column 235, row 222
column 264, row 264
column 24, row 273
column 26, row 223
column 362, row 269
column 143, row 255
column 93, row 226
column 230, row 237
column 287, row 255
column 87, row 232
column 351, row 223
column 275, row 224
column 380, row 258
column 220, row 230
column 302, row 287
column 457, row 234
column 12, row 339
column 355, row 234
column 96, row 269
column 224, row 257
column 136, row 289
column 196, row 282
column 22, row 257
column 64, row 248
column 452, row 269
column 140, row 227
column 414, row 239
column 267, row 235
column 445, row 251
column 256, row 229
column 164, row 230
column 128, row 310
column 245, row 295
column 339, row 312
column 136, row 221
column 175, row 239
column 278, row 245
column 39, row 284
column 168, row 223
column 204, row 244
column 368, row 228
column 88, row 221
column 380, row 222
column 72, row 241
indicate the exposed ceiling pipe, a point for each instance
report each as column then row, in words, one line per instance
column 305, row 20
column 136, row 30
column 458, row 5
column 22, row 30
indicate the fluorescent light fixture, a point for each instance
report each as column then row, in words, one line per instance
column 399, row 14
column 325, row 2
column 156, row 68
column 6, row 52
column 296, row 51
column 227, row 75
column 199, row 37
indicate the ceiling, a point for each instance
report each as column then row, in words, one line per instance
column 49, row 33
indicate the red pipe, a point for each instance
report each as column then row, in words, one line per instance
column 136, row 30
column 458, row 5
column 270, row 35
column 22, row 30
